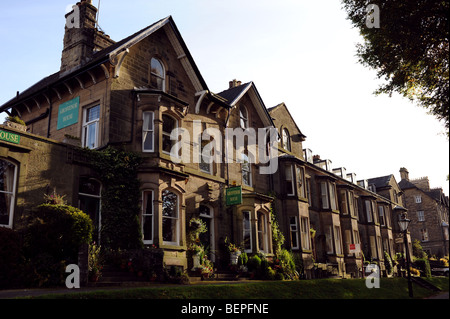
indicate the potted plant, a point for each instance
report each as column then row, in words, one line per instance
column 234, row 251
column 16, row 122
column 94, row 263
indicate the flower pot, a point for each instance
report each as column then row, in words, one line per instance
column 234, row 256
column 195, row 262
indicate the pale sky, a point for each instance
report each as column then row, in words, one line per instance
column 295, row 51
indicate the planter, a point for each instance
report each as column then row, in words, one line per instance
column 16, row 126
column 234, row 256
column 195, row 262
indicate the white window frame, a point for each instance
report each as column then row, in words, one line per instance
column 163, row 77
column 148, row 128
column 247, row 231
column 286, row 139
column 418, row 199
column 12, row 193
column 87, row 124
column 324, row 195
column 421, row 216
column 177, row 222
column 210, row 217
column 338, row 240
column 243, row 118
column 263, row 233
column 368, row 204
column 99, row 197
column 289, row 174
column 382, row 215
column 305, row 233
column 205, row 159
column 146, row 201
column 246, row 162
column 293, row 226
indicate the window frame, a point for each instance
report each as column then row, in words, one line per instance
column 290, row 183
column 145, row 205
column 420, row 215
column 147, row 130
column 86, row 124
column 246, row 163
column 294, row 232
column 305, row 233
column 176, row 226
column 247, row 231
column 243, row 118
column 166, row 134
column 263, row 234
column 153, row 74
column 12, row 194
column 286, row 139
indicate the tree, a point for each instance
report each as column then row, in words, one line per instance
column 409, row 49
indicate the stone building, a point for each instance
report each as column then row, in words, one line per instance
column 428, row 210
column 145, row 94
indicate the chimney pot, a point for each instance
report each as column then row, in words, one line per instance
column 404, row 174
column 234, row 83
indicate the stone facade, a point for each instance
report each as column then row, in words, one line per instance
column 428, row 211
column 133, row 94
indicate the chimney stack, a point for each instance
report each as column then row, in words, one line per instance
column 81, row 38
column 404, row 174
column 235, row 83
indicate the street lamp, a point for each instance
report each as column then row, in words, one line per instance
column 404, row 223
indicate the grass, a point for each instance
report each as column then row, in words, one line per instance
column 390, row 288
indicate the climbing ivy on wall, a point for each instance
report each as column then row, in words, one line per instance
column 117, row 171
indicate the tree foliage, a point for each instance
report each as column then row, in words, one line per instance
column 410, row 49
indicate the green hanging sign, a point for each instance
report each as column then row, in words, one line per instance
column 233, row 195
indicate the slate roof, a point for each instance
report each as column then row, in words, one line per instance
column 381, row 181
column 231, row 95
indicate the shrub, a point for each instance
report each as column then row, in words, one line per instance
column 423, row 265
column 58, row 230
column 287, row 264
column 254, row 263
column 388, row 263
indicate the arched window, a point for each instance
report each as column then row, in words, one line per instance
column 169, row 124
column 89, row 201
column 8, row 177
column 243, row 115
column 157, row 75
column 286, row 139
column 170, row 218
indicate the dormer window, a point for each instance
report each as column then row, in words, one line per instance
column 157, row 75
column 286, row 139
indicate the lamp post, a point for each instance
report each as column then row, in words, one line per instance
column 404, row 223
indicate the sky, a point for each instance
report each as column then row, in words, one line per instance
column 298, row 52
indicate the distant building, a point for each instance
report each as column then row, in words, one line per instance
column 428, row 209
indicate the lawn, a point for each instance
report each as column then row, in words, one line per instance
column 390, row 288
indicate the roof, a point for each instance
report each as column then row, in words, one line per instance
column 381, row 181
column 270, row 110
column 110, row 54
column 234, row 94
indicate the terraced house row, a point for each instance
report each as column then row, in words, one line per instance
column 133, row 94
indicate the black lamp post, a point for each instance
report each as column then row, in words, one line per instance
column 404, row 223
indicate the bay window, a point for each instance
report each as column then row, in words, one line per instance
column 148, row 132
column 169, row 124
column 289, row 180
column 247, row 232
column 147, row 217
column 170, row 218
